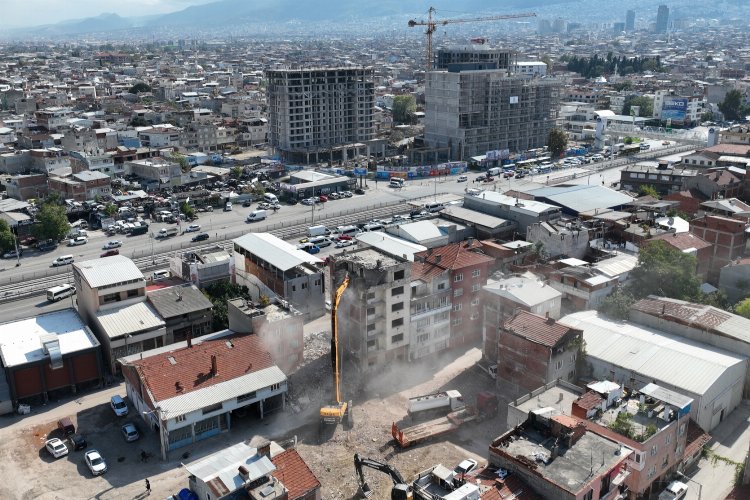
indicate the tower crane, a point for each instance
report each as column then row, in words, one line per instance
column 432, row 25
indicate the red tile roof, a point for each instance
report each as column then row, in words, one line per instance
column 723, row 177
column 493, row 488
column 455, row 256
column 191, row 369
column 535, row 328
column 294, row 474
column 728, row 149
column 589, row 400
column 683, row 241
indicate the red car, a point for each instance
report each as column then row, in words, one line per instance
column 343, row 237
column 323, row 198
column 110, row 253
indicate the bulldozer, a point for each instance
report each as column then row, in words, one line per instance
column 400, row 490
column 338, row 411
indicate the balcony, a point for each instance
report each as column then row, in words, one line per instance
column 423, row 313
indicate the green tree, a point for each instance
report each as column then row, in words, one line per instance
column 743, row 308
column 110, row 209
column 51, row 222
column 665, row 271
column 186, row 209
column 219, row 293
column 139, row 87
column 7, row 240
column 139, row 121
column 648, row 190
column 617, row 304
column 557, row 142
column 404, row 107
column 733, row 106
column 645, row 104
column 179, row 158
column 236, row 172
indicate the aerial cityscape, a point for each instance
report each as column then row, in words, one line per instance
column 406, row 250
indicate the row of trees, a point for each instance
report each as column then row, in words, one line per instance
column 592, row 67
column 665, row 271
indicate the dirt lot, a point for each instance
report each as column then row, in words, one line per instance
column 31, row 473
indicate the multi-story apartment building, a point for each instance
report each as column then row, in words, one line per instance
column 86, row 185
column 54, row 118
column 374, row 313
column 155, row 171
column 728, row 237
column 475, row 111
column 467, row 270
column 430, row 310
column 665, row 179
column 474, row 57
column 320, row 113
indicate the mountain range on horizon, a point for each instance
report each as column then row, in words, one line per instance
column 233, row 13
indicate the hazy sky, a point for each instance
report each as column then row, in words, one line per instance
column 35, row 12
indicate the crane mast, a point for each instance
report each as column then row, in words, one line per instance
column 431, row 26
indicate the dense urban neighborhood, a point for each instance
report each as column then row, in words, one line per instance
column 415, row 254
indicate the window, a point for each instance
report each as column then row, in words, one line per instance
column 275, row 387
column 371, row 328
column 682, row 429
column 457, row 321
column 589, row 495
column 397, row 291
column 370, row 311
column 669, row 438
column 212, row 408
column 652, row 471
column 475, row 273
column 573, row 357
column 179, row 418
column 370, row 295
column 304, row 285
column 245, row 397
column 474, row 302
column 371, row 343
column 294, row 288
column 397, row 338
column 654, row 450
column 458, row 292
column 475, row 287
column 441, row 286
column 423, row 323
column 423, row 337
column 398, row 275
column 457, row 307
column 559, row 364
column 458, row 277
column 397, row 306
column 132, row 293
column 474, row 316
column 397, row 322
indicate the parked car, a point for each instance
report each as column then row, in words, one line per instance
column 345, row 243
column 56, row 447
column 119, row 406
column 193, row 228
column 264, row 205
column 247, row 203
column 130, row 432
column 347, row 194
column 322, row 198
column 359, row 191
column 334, row 196
column 65, row 425
column 12, row 254
column 309, row 248
column 95, row 462
column 462, row 178
column 465, row 466
column 308, row 201
column 228, row 207
column 200, row 237
column 343, row 237
column 77, row 441
column 78, row 240
column 112, row 244
column 110, row 253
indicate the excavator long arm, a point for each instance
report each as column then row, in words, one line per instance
column 335, row 337
column 359, row 463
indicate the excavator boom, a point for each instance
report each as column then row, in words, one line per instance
column 336, row 411
column 400, row 491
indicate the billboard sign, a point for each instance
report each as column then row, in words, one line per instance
column 674, row 109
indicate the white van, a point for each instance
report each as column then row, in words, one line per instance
column 256, row 215
column 317, row 231
column 396, row 182
column 62, row 260
column 347, row 231
column 320, row 241
column 60, row 292
column 433, row 207
column 162, row 274
column 270, row 198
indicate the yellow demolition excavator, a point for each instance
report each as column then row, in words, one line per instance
column 337, row 411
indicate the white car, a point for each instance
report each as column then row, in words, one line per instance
column 264, row 205
column 308, row 201
column 462, row 178
column 95, row 462
column 465, row 466
column 78, row 240
column 347, row 194
column 193, row 228
column 119, row 406
column 56, row 447
column 112, row 244
column 345, row 243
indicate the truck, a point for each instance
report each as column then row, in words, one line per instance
column 142, row 229
column 494, row 171
column 166, row 232
column 256, row 215
column 486, row 407
column 313, row 231
column 439, row 403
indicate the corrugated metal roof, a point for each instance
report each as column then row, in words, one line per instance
column 225, row 465
column 178, row 300
column 275, row 251
column 224, row 391
column 665, row 395
column 582, row 198
column 653, row 354
column 474, row 217
column 520, row 205
column 617, row 265
column 420, row 231
column 521, row 289
column 392, row 245
column 129, row 319
column 115, row 269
